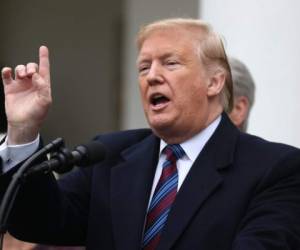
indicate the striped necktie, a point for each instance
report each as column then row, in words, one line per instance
column 163, row 197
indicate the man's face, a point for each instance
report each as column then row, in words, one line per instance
column 173, row 85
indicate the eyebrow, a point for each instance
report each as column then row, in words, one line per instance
column 141, row 60
column 163, row 57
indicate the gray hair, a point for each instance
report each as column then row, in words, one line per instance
column 243, row 83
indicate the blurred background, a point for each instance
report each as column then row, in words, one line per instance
column 92, row 47
column 93, row 53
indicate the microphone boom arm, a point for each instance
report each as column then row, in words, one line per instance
column 13, row 187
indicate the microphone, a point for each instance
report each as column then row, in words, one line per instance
column 64, row 160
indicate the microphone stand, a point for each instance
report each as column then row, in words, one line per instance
column 17, row 179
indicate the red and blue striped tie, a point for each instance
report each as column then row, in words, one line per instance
column 163, row 197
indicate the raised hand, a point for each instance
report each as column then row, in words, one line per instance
column 27, row 98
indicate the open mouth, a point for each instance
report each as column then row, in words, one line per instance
column 158, row 99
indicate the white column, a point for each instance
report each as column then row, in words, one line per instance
column 265, row 35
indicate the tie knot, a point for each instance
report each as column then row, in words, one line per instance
column 174, row 152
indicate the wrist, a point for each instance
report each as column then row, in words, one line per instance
column 21, row 134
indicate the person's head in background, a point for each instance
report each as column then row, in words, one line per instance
column 243, row 92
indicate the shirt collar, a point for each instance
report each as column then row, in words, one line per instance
column 193, row 146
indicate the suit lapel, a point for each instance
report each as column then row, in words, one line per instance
column 131, row 183
column 202, row 181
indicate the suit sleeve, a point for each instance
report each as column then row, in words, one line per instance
column 272, row 220
column 51, row 212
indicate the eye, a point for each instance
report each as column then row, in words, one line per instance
column 172, row 64
column 143, row 68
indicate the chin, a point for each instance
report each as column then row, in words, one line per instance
column 159, row 126
column 160, row 121
column 162, row 128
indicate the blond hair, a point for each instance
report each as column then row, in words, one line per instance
column 208, row 45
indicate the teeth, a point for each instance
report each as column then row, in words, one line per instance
column 157, row 96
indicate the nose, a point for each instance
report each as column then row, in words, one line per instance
column 154, row 75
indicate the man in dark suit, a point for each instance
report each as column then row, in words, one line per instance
column 192, row 181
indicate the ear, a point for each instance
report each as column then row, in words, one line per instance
column 216, row 83
column 240, row 111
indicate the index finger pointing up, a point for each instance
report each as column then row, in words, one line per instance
column 44, row 65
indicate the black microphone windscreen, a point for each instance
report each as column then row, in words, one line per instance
column 92, row 153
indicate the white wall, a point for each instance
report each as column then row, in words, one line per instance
column 265, row 35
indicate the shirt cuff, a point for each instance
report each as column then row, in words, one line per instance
column 14, row 154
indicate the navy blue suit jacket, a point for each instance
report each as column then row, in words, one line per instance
column 241, row 193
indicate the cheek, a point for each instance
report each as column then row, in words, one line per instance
column 195, row 100
column 143, row 90
column 194, row 93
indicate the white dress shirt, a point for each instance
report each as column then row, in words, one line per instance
column 13, row 154
column 192, row 149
